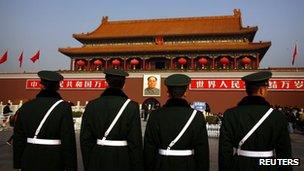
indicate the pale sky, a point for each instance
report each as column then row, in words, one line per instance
column 46, row 25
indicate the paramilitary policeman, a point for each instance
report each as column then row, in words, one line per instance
column 176, row 137
column 252, row 130
column 44, row 136
column 110, row 136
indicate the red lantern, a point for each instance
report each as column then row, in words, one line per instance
column 134, row 62
column 182, row 62
column 80, row 62
column 203, row 62
column 246, row 60
column 97, row 62
column 116, row 62
column 224, row 61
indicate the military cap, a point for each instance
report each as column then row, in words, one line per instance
column 177, row 80
column 117, row 72
column 259, row 78
column 50, row 76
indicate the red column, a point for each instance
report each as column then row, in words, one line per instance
column 143, row 64
column 234, row 62
column 192, row 62
column 88, row 65
column 213, row 61
column 257, row 61
column 171, row 63
column 72, row 64
column 149, row 66
column 106, row 64
column 125, row 63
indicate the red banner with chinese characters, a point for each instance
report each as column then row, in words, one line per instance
column 295, row 84
column 72, row 84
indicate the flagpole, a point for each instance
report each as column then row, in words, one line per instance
column 39, row 61
column 294, row 53
column 21, row 56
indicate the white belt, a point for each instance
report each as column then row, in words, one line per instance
column 175, row 152
column 111, row 143
column 43, row 141
column 247, row 153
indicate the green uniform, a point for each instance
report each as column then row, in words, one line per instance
column 271, row 135
column 59, row 125
column 98, row 116
column 163, row 126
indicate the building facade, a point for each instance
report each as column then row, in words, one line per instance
column 194, row 43
column 214, row 51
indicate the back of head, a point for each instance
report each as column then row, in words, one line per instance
column 50, row 80
column 115, row 81
column 177, row 91
column 256, row 80
column 115, row 78
column 177, row 85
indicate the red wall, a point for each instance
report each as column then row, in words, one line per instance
column 14, row 90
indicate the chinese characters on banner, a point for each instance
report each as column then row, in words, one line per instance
column 237, row 84
column 67, row 84
column 296, row 84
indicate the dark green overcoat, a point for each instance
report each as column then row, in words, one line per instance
column 271, row 135
column 98, row 116
column 163, row 126
column 59, row 125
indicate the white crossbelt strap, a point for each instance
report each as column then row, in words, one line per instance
column 111, row 142
column 183, row 130
column 254, row 153
column 166, row 152
column 105, row 142
column 45, row 141
column 169, row 152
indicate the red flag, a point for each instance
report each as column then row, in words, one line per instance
column 35, row 57
column 3, row 58
column 20, row 59
column 294, row 54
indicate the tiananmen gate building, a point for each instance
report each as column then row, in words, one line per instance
column 215, row 51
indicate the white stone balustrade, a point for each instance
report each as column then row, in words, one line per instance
column 213, row 130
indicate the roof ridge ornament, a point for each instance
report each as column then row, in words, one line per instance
column 237, row 12
column 105, row 19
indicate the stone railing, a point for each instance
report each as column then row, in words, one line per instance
column 13, row 107
column 213, row 130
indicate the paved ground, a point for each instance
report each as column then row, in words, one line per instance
column 6, row 151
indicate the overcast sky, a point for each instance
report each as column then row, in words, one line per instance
column 46, row 25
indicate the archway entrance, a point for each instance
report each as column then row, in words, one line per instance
column 149, row 105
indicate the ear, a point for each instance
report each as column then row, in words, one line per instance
column 107, row 84
column 185, row 94
column 263, row 91
column 42, row 86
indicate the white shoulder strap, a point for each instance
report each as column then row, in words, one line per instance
column 255, row 127
column 183, row 130
column 45, row 117
column 116, row 118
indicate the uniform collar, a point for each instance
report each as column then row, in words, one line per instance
column 174, row 102
column 253, row 100
column 113, row 92
column 46, row 93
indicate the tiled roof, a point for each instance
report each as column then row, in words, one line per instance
column 262, row 47
column 227, row 25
